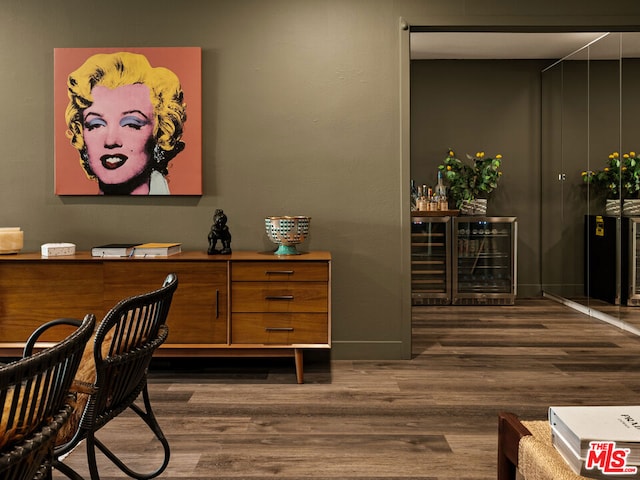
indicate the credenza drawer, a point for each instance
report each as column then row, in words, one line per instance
column 279, row 328
column 279, row 297
column 295, row 271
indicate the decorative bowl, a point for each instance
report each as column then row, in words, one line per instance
column 287, row 232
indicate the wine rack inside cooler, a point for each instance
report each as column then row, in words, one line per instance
column 431, row 260
column 484, row 260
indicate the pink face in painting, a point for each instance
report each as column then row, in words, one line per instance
column 118, row 129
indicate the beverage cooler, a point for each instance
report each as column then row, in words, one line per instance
column 430, row 260
column 484, row 261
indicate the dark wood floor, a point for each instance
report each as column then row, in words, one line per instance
column 432, row 417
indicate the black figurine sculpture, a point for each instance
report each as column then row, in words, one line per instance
column 219, row 231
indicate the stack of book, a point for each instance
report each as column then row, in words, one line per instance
column 136, row 250
column 601, row 442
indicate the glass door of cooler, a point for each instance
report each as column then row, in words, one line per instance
column 430, row 260
column 484, row 260
column 633, row 262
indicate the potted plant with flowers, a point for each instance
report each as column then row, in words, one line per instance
column 631, row 184
column 472, row 181
column 618, row 182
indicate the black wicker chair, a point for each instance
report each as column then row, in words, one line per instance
column 124, row 343
column 34, row 404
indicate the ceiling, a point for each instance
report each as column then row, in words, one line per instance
column 497, row 45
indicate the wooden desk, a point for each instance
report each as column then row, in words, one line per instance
column 243, row 304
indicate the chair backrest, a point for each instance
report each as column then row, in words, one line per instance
column 125, row 341
column 33, row 396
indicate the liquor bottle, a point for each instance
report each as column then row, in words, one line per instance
column 422, row 199
column 433, row 201
column 441, row 193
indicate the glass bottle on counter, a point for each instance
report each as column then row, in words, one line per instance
column 441, row 193
column 433, row 201
column 423, row 199
column 419, row 199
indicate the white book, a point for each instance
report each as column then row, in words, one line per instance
column 578, row 463
column 580, row 425
column 570, row 456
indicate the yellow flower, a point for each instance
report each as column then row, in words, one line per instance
column 632, row 154
column 448, row 168
column 616, row 155
column 498, row 156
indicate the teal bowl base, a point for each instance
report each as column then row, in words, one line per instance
column 286, row 250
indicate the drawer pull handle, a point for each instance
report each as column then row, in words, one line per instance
column 279, row 272
column 217, row 303
column 278, row 329
column 279, row 297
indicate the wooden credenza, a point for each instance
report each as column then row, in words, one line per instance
column 243, row 304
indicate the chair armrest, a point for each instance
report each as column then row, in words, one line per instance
column 33, row 338
column 510, row 431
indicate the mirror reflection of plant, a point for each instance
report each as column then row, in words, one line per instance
column 631, row 174
column 473, row 179
column 620, row 177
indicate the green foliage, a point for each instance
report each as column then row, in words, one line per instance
column 473, row 179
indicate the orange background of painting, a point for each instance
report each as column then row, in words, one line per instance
column 185, row 170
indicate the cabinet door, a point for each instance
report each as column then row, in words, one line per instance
column 33, row 293
column 430, row 260
column 198, row 313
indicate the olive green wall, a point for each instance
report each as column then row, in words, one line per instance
column 302, row 108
